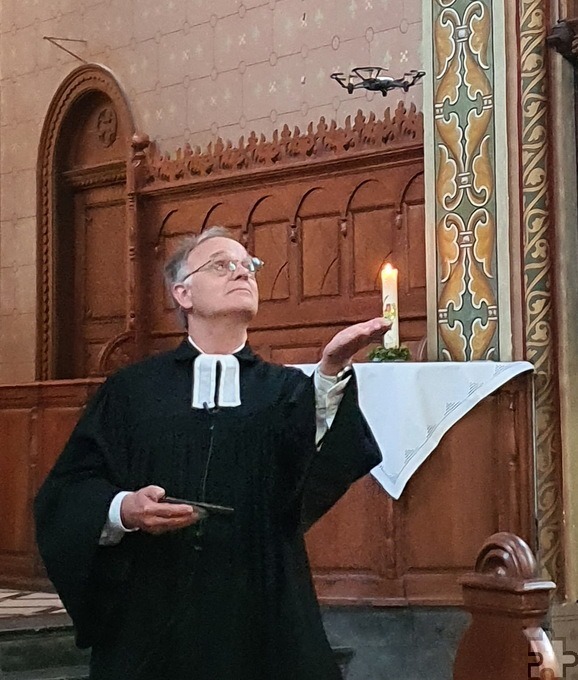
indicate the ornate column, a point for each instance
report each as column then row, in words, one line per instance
column 489, row 222
column 469, row 306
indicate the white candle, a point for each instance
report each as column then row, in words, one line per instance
column 389, row 305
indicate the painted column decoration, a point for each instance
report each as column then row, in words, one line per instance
column 538, row 277
column 472, row 315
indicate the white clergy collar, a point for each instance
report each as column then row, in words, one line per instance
column 207, row 392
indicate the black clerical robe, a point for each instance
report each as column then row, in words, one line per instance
column 230, row 598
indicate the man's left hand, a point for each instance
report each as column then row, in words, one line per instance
column 339, row 351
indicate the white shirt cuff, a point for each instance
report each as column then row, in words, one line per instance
column 114, row 529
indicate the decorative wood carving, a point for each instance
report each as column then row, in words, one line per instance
column 508, row 603
column 107, row 126
column 564, row 39
column 88, row 79
column 120, row 351
column 84, row 178
column 289, row 146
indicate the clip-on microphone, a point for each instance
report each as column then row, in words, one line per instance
column 215, row 408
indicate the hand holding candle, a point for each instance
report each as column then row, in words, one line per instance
column 389, row 305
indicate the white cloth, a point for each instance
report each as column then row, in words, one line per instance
column 410, row 406
column 328, row 395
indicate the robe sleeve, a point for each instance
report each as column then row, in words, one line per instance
column 72, row 506
column 347, row 452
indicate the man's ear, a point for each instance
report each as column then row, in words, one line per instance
column 182, row 296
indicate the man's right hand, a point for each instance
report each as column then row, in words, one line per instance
column 143, row 510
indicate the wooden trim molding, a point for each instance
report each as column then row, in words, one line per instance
column 87, row 177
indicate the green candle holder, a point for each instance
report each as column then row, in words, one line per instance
column 381, row 354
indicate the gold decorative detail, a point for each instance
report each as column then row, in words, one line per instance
column 540, row 348
column 468, row 315
column 288, row 146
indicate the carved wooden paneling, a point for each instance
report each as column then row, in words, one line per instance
column 322, row 141
column 14, row 480
column 478, row 481
column 320, row 256
column 323, row 237
column 35, row 422
column 99, row 259
column 411, row 218
column 272, row 240
column 368, row 548
column 352, row 564
column 105, row 257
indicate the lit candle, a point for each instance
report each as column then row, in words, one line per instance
column 389, row 302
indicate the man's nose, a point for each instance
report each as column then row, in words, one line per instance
column 241, row 272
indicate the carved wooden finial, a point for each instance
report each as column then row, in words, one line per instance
column 507, row 555
column 139, row 142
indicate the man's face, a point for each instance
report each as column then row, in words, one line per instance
column 214, row 292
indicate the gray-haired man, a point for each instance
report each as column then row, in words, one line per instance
column 172, row 591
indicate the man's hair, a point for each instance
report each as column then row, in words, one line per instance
column 177, row 265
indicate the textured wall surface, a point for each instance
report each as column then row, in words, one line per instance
column 192, row 70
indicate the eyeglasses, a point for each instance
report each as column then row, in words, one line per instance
column 226, row 266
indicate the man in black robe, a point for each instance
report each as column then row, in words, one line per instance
column 167, row 591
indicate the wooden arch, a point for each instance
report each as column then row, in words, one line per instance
column 86, row 80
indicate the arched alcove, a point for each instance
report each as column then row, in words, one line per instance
column 83, row 248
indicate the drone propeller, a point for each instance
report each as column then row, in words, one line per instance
column 375, row 70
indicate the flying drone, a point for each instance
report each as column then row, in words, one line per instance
column 372, row 78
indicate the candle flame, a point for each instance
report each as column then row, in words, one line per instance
column 387, row 268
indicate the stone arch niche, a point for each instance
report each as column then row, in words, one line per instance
column 84, row 246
